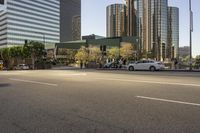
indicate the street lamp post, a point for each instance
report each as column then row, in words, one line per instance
column 191, row 30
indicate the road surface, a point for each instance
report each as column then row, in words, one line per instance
column 89, row 101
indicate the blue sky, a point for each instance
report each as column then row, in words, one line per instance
column 94, row 19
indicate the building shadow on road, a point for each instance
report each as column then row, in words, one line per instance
column 4, row 85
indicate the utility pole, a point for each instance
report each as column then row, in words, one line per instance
column 191, row 30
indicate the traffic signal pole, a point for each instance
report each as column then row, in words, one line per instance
column 191, row 30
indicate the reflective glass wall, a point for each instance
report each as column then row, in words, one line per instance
column 35, row 20
column 152, row 27
column 173, row 32
column 116, row 20
column 131, row 18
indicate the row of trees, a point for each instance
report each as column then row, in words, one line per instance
column 33, row 50
column 126, row 52
column 184, row 61
column 94, row 54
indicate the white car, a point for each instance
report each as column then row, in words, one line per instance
column 150, row 65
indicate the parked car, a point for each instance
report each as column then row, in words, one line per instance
column 22, row 67
column 113, row 65
column 150, row 65
column 107, row 65
column 131, row 62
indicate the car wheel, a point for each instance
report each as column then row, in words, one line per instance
column 131, row 68
column 152, row 68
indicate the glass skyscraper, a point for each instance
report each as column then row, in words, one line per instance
column 131, row 18
column 152, row 26
column 36, row 20
column 159, row 28
column 116, row 20
column 173, row 32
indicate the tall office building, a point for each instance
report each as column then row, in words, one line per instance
column 143, row 24
column 70, row 16
column 173, row 33
column 159, row 30
column 37, row 20
column 131, row 18
column 76, row 27
column 152, row 26
column 116, row 20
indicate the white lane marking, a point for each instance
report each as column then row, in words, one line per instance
column 33, row 82
column 149, row 82
column 77, row 74
column 72, row 74
column 169, row 101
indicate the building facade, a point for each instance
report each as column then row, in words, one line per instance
column 152, row 27
column 35, row 20
column 131, row 18
column 76, row 27
column 70, row 20
column 116, row 20
column 173, row 33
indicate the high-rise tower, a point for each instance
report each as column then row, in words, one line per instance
column 36, row 20
column 173, row 32
column 116, row 20
column 131, row 18
column 152, row 27
column 70, row 16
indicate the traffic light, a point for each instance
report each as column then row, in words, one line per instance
column 104, row 47
column 26, row 41
column 101, row 48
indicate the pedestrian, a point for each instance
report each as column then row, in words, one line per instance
column 175, row 63
column 81, row 64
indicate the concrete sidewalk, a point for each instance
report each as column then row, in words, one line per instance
column 170, row 70
column 117, row 69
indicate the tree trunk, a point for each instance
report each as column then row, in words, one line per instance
column 33, row 62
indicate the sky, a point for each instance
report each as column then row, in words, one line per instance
column 94, row 19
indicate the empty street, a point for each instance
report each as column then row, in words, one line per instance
column 91, row 101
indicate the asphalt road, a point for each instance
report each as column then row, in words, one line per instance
column 73, row 101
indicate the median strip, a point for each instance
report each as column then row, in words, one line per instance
column 169, row 101
column 33, row 82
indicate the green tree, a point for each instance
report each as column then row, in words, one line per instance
column 185, row 59
column 5, row 55
column 94, row 54
column 34, row 50
column 113, row 53
column 16, row 53
column 197, row 61
column 127, row 51
column 82, row 55
column 150, row 55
